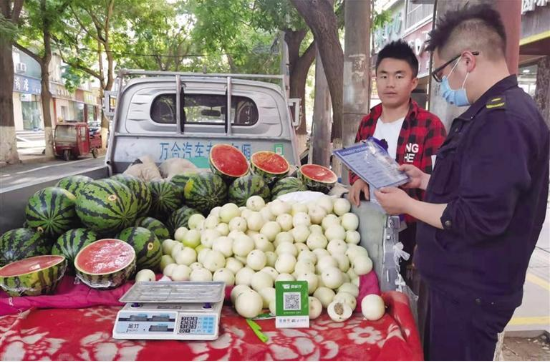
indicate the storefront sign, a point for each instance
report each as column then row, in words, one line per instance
column 89, row 98
column 22, row 84
column 416, row 41
column 59, row 91
column 530, row 5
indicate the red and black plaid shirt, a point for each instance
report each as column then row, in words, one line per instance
column 421, row 136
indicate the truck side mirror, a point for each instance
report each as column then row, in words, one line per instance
column 294, row 105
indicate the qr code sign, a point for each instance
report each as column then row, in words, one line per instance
column 292, row 301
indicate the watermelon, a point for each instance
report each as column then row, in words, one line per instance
column 106, row 206
column 180, row 180
column 18, row 244
column 246, row 186
column 287, row 185
column 33, row 276
column 228, row 162
column 140, row 190
column 70, row 243
column 51, row 211
column 180, row 218
column 73, row 184
column 317, row 178
column 270, row 165
column 205, row 191
column 154, row 225
column 167, row 198
column 147, row 246
column 106, row 263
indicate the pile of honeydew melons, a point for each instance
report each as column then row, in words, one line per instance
column 254, row 246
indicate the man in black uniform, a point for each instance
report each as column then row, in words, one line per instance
column 486, row 198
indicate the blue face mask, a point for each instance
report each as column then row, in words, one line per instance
column 455, row 97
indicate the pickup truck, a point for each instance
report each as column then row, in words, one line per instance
column 181, row 115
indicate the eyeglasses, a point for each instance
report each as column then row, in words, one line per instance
column 435, row 72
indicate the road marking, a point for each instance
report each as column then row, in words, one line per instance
column 56, row 165
column 538, row 281
column 518, row 321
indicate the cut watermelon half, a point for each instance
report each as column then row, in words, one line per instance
column 33, row 276
column 270, row 165
column 228, row 162
column 317, row 178
column 106, row 263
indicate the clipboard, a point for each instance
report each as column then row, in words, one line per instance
column 372, row 163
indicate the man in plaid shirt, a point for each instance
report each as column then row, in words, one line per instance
column 412, row 134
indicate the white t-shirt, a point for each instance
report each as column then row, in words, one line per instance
column 389, row 132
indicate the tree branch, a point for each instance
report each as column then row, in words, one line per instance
column 28, row 52
column 77, row 18
column 17, row 7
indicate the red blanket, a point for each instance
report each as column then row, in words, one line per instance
column 85, row 334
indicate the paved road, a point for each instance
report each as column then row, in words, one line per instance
column 23, row 173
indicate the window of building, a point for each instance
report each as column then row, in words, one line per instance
column 417, row 12
column 527, row 79
column 205, row 109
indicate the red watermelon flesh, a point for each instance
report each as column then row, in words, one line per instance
column 30, row 265
column 318, row 173
column 228, row 160
column 270, row 162
column 105, row 256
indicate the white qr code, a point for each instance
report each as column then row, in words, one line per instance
column 292, row 301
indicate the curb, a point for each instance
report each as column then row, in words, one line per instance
column 526, row 334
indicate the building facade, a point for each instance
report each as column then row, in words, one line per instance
column 81, row 105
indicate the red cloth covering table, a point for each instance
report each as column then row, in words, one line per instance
column 86, row 334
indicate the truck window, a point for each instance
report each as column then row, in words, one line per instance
column 206, row 109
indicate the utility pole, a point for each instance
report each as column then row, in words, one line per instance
column 322, row 120
column 356, row 70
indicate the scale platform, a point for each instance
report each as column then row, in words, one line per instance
column 171, row 310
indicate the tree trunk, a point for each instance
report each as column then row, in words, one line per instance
column 542, row 95
column 356, row 71
column 45, row 95
column 321, row 19
column 320, row 140
column 8, row 144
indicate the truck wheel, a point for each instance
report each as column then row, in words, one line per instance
column 67, row 155
column 94, row 152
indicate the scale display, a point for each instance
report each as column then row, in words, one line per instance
column 171, row 310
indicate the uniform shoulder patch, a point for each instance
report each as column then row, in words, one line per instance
column 496, row 103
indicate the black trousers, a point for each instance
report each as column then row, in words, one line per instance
column 465, row 330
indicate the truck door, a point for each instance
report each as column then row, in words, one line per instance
column 83, row 140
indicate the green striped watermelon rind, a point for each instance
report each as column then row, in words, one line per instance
column 73, row 184
column 22, row 243
column 180, row 218
column 106, row 206
column 167, row 198
column 154, row 225
column 51, row 211
column 205, row 191
column 287, row 185
column 270, row 177
column 140, row 190
column 247, row 186
column 107, row 280
column 312, row 184
column 70, row 243
column 239, row 163
column 146, row 245
column 37, row 282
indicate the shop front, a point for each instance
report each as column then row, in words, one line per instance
column 26, row 103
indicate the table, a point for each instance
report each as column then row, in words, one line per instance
column 86, row 334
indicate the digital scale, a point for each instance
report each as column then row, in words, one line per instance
column 171, row 310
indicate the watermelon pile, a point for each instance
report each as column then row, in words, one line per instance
column 71, row 226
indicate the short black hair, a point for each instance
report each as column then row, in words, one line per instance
column 399, row 50
column 468, row 27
